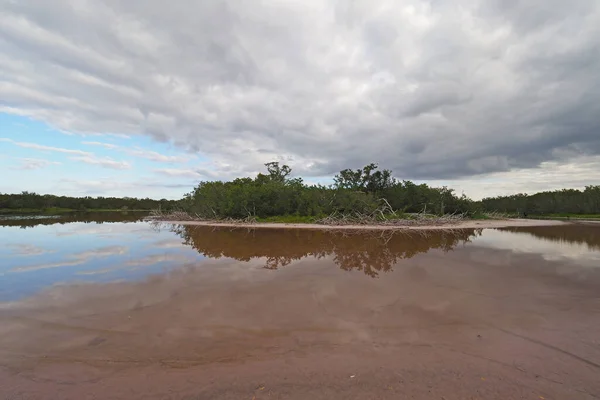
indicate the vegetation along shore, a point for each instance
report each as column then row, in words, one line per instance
column 365, row 196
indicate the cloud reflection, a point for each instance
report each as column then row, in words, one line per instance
column 76, row 259
column 158, row 258
column 27, row 250
column 577, row 243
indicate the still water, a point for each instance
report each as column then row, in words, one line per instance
column 114, row 304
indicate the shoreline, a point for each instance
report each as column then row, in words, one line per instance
column 467, row 224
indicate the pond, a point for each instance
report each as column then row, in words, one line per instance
column 110, row 302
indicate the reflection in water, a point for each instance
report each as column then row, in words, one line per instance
column 369, row 252
column 91, row 247
column 162, row 319
column 75, row 259
column 125, row 309
column 577, row 233
column 576, row 244
column 30, row 221
column 62, row 253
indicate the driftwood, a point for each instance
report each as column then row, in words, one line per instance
column 386, row 216
column 159, row 215
column 382, row 216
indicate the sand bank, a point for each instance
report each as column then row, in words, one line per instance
column 466, row 224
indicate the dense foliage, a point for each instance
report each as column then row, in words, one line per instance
column 276, row 194
column 34, row 201
column 565, row 201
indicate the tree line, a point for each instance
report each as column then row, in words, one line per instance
column 38, row 202
column 354, row 191
column 364, row 190
column 565, row 201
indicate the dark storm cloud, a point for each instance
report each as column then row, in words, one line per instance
column 431, row 89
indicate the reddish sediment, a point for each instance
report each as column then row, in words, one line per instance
column 473, row 323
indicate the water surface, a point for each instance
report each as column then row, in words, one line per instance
column 133, row 310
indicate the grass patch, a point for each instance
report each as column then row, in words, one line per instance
column 481, row 217
column 113, row 210
column 290, row 219
column 491, row 216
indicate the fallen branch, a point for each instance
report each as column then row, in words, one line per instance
column 386, row 216
column 178, row 215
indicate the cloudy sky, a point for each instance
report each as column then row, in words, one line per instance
column 146, row 97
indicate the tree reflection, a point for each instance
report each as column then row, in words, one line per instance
column 575, row 233
column 369, row 252
column 31, row 221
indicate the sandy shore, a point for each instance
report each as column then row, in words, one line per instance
column 468, row 224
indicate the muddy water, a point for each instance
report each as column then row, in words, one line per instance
column 128, row 311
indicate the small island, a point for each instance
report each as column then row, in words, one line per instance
column 365, row 198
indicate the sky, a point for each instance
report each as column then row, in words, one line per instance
column 146, row 98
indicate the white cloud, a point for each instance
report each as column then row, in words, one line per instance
column 40, row 147
column 137, row 152
column 440, row 90
column 204, row 171
column 551, row 175
column 185, row 173
column 35, row 163
column 109, row 186
column 105, row 162
column 81, row 156
column 154, row 156
column 105, row 145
